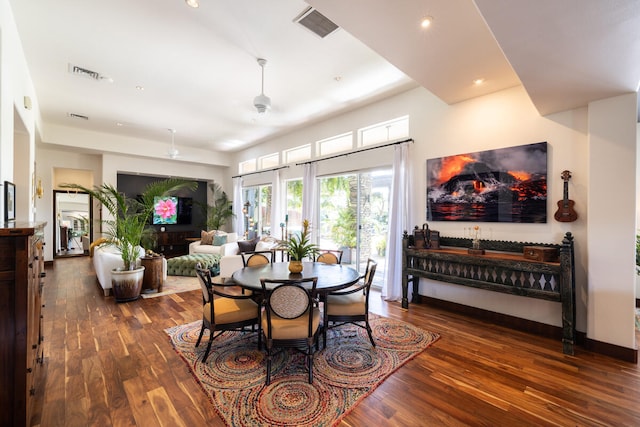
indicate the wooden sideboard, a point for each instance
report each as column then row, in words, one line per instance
column 173, row 243
column 503, row 268
column 21, row 356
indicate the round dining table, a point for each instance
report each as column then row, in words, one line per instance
column 331, row 277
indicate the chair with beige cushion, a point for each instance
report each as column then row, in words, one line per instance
column 329, row 256
column 224, row 311
column 350, row 305
column 291, row 318
column 255, row 258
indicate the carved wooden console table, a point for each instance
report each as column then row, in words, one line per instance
column 503, row 268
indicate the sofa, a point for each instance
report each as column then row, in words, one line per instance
column 206, row 244
column 106, row 258
column 232, row 260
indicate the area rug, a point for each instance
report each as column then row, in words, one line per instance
column 174, row 285
column 344, row 373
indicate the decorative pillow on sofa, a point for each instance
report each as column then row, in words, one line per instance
column 206, row 237
column 248, row 245
column 219, row 239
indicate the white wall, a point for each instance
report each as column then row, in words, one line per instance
column 16, row 122
column 502, row 119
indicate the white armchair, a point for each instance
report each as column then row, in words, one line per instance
column 107, row 257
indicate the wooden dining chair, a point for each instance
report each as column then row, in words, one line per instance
column 350, row 305
column 329, row 256
column 291, row 319
column 252, row 259
column 224, row 311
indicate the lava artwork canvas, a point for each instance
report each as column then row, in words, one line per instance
column 502, row 185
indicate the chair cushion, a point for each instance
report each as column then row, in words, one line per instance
column 229, row 310
column 346, row 305
column 287, row 329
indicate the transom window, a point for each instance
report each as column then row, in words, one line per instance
column 390, row 130
column 335, row 144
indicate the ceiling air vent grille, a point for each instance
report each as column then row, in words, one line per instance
column 83, row 72
column 77, row 116
column 316, row 22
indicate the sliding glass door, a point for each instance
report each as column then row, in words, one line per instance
column 353, row 217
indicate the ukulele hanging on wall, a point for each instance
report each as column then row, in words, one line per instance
column 565, row 212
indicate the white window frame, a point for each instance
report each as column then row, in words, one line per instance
column 401, row 125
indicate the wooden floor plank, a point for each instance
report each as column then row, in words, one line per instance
column 110, row 364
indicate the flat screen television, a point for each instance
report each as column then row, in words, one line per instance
column 165, row 210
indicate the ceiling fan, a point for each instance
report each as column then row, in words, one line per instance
column 173, row 151
column 262, row 102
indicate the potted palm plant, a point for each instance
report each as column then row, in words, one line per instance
column 128, row 224
column 218, row 213
column 298, row 247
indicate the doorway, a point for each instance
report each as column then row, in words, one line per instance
column 354, row 217
column 72, row 218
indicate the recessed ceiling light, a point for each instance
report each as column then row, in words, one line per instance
column 192, row 3
column 426, row 21
column 478, row 81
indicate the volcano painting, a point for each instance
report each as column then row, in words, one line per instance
column 503, row 185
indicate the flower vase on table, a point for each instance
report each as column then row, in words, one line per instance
column 295, row 267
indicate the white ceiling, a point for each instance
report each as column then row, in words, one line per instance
column 199, row 71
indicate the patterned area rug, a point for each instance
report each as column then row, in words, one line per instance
column 637, row 319
column 345, row 372
column 174, row 285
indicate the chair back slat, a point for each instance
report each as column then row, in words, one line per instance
column 329, row 256
column 255, row 258
column 204, row 276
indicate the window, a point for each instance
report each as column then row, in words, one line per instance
column 293, row 219
column 335, row 144
column 297, row 154
column 247, row 166
column 257, row 210
column 387, row 131
column 269, row 161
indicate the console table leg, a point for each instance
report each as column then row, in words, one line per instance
column 415, row 298
column 405, row 291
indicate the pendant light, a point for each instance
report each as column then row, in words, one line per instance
column 262, row 102
column 173, row 151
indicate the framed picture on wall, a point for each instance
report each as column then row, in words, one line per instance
column 9, row 201
column 501, row 185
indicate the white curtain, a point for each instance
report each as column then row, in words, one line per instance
column 398, row 223
column 238, row 219
column 309, row 197
column 276, row 205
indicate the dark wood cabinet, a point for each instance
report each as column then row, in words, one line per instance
column 173, row 243
column 21, row 356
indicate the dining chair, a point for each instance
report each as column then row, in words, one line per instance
column 350, row 305
column 254, row 258
column 225, row 311
column 329, row 256
column 291, row 318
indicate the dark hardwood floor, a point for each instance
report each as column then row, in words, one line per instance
column 112, row 364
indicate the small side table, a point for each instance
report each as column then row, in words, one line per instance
column 153, row 274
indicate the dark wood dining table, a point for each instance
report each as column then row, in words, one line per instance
column 331, row 277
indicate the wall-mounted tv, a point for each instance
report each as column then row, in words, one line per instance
column 172, row 210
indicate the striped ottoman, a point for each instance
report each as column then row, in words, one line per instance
column 186, row 265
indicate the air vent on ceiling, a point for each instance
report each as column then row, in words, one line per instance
column 83, row 72
column 316, row 22
column 77, row 116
